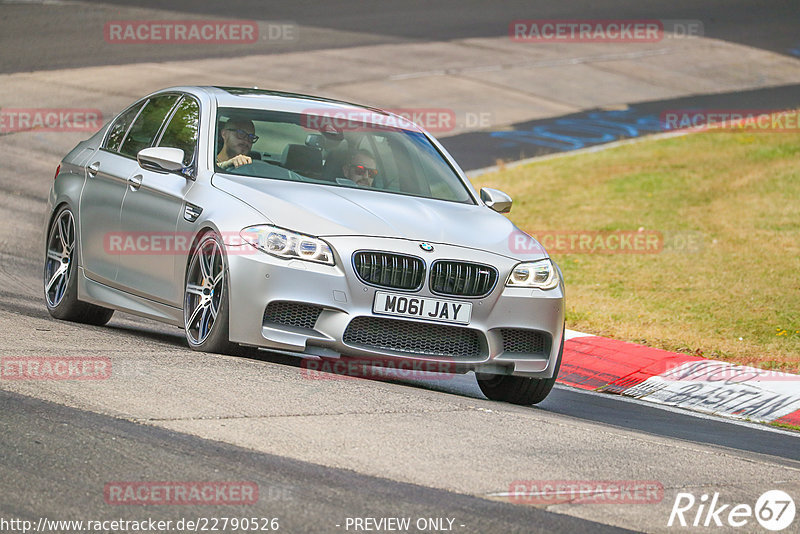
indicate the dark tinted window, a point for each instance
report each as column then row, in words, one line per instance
column 147, row 125
column 117, row 131
column 181, row 132
column 316, row 149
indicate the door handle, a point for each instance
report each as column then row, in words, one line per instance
column 135, row 182
column 92, row 169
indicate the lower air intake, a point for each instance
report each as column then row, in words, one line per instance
column 414, row 339
column 297, row 314
column 516, row 340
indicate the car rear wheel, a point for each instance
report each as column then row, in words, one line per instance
column 205, row 303
column 61, row 275
column 518, row 389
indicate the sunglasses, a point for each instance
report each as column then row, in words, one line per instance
column 361, row 171
column 241, row 134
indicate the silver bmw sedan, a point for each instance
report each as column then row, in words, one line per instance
column 306, row 225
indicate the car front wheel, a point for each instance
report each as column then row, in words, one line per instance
column 205, row 303
column 518, row 389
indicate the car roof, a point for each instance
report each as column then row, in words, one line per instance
column 255, row 98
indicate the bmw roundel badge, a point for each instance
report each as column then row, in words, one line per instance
column 427, row 247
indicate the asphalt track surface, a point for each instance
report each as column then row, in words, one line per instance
column 33, row 39
column 59, row 34
column 478, row 150
column 302, row 496
column 55, row 457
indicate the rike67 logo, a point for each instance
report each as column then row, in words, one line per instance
column 774, row 510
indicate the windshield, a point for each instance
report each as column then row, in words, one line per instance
column 324, row 150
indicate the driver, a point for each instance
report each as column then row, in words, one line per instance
column 360, row 168
column 238, row 136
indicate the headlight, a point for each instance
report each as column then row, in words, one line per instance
column 541, row 274
column 287, row 244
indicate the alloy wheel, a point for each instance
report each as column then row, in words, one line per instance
column 60, row 248
column 205, row 282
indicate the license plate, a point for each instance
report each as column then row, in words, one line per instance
column 447, row 311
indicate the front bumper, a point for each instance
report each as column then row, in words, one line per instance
column 333, row 317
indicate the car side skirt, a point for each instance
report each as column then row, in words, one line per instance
column 102, row 295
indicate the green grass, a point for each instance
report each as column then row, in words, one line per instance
column 737, row 298
column 785, row 426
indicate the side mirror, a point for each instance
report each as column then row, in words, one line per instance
column 497, row 200
column 161, row 159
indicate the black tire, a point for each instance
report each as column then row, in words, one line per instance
column 518, row 389
column 61, row 275
column 211, row 295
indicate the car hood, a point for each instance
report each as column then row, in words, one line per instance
column 327, row 211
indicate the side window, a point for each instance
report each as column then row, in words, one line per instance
column 182, row 130
column 147, row 125
column 117, row 131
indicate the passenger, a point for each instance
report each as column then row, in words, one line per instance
column 361, row 168
column 238, row 136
